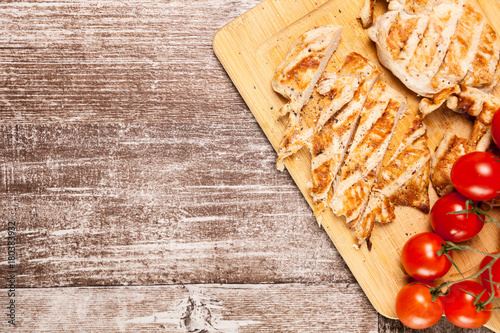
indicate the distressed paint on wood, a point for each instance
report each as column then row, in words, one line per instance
column 196, row 308
column 107, row 204
column 105, row 61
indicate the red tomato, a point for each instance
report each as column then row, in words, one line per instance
column 454, row 227
column 459, row 306
column 420, row 259
column 477, row 176
column 495, row 271
column 415, row 308
column 495, row 128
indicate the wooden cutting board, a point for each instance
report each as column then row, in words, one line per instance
column 252, row 46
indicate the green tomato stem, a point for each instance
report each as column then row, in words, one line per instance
column 446, row 248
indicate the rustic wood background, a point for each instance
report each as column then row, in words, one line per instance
column 145, row 194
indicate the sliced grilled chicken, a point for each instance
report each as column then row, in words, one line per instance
column 379, row 116
column 398, row 36
column 300, row 126
column 432, row 45
column 462, row 100
column 449, row 150
column 401, row 182
column 413, row 6
column 463, row 48
column 303, row 65
column 425, row 51
column 330, row 142
column 366, row 14
column 415, row 192
column 333, row 91
column 481, row 73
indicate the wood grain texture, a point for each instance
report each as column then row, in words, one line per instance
column 105, row 61
column 148, row 204
column 197, row 308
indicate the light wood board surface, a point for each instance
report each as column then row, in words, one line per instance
column 251, row 47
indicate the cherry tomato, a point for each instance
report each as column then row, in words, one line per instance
column 454, row 227
column 477, row 176
column 495, row 271
column 495, row 128
column 420, row 259
column 459, row 306
column 415, row 308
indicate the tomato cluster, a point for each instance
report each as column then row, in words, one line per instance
column 455, row 218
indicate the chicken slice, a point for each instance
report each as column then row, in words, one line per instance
column 482, row 71
column 400, row 182
column 463, row 47
column 379, row 117
column 432, row 48
column 468, row 100
column 366, row 14
column 397, row 35
column 415, row 192
column 447, row 153
column 451, row 149
column 330, row 142
column 432, row 45
column 303, row 65
column 333, row 91
column 422, row 44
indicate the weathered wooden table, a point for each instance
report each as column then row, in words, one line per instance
column 144, row 194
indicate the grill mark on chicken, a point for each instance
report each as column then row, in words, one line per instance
column 303, row 65
column 481, row 73
column 399, row 34
column 432, row 48
column 415, row 192
column 298, row 72
column 457, row 47
column 402, row 176
column 330, row 141
column 333, row 91
column 462, row 49
column 379, row 116
column 447, row 153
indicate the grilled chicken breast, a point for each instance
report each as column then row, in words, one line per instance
column 461, row 99
column 330, row 141
column 481, row 73
column 334, row 90
column 462, row 50
column 404, row 180
column 379, row 117
column 449, row 150
column 433, row 45
column 303, row 65
column 366, row 14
